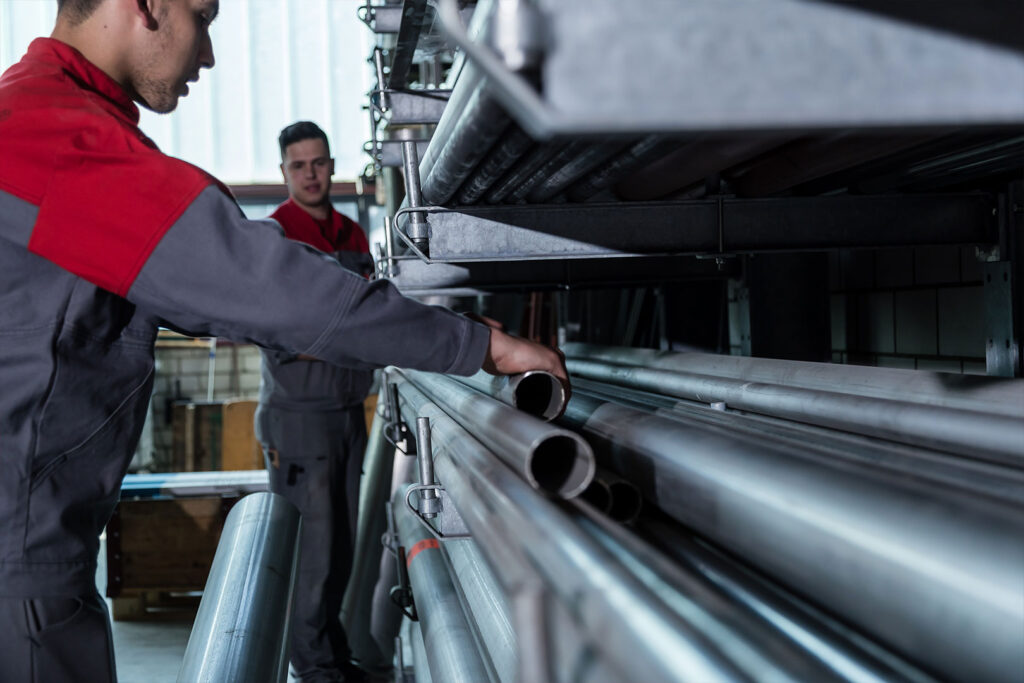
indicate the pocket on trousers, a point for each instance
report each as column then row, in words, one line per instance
column 46, row 615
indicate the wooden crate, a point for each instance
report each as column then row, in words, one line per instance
column 239, row 448
column 160, row 547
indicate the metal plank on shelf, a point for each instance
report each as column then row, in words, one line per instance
column 407, row 107
column 721, row 225
column 749, row 66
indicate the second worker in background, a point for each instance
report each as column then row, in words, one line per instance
column 311, row 425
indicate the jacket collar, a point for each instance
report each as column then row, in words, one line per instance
column 85, row 72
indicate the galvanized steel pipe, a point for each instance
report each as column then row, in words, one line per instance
column 773, row 649
column 471, row 123
column 525, row 168
column 995, row 395
column 968, row 433
column 373, row 493
column 534, row 392
column 512, row 145
column 420, row 664
column 937, row 577
column 546, row 456
column 636, row 631
column 883, row 458
column 843, row 650
column 451, row 650
column 486, row 605
column 561, row 178
column 607, row 174
column 624, row 499
column 241, row 629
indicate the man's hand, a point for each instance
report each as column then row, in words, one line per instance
column 508, row 355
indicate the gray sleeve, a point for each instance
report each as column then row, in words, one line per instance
column 216, row 273
column 356, row 261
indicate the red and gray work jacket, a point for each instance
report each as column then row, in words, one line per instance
column 288, row 382
column 102, row 239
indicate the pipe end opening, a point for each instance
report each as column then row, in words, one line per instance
column 559, row 467
column 625, row 502
column 540, row 394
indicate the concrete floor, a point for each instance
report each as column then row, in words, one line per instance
column 149, row 651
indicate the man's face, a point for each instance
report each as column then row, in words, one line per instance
column 177, row 46
column 307, row 168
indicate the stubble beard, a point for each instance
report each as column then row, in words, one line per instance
column 153, row 93
column 157, row 96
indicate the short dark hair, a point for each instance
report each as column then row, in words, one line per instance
column 77, row 11
column 301, row 130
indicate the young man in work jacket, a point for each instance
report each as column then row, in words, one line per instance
column 311, row 425
column 102, row 239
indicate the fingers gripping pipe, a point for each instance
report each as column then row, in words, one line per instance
column 534, row 392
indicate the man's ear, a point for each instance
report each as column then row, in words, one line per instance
column 146, row 11
column 284, row 176
column 330, row 169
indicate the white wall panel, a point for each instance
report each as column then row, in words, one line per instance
column 278, row 61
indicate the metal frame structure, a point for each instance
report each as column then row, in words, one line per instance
column 709, row 89
column 596, row 143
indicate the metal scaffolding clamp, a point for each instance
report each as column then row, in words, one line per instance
column 418, row 229
column 401, row 594
column 433, row 502
column 396, row 432
column 447, row 523
column 429, row 504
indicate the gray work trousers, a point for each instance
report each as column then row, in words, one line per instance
column 56, row 640
column 315, row 461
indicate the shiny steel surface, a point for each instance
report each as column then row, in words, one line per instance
column 638, row 633
column 764, row 646
column 486, row 605
column 421, row 668
column 471, row 123
column 241, row 629
column 447, row 637
column 548, row 457
column 624, row 499
column 969, row 392
column 535, row 392
column 936, row 577
column 936, row 470
column 358, row 602
column 969, row 433
column 845, row 651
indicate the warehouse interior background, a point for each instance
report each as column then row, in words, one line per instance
column 780, row 244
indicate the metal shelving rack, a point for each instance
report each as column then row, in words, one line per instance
column 602, row 143
column 757, row 126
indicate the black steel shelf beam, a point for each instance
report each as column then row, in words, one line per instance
column 467, row 279
column 714, row 226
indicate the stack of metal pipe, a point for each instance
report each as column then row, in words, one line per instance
column 890, row 498
column 769, row 549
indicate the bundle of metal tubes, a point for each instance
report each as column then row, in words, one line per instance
column 779, row 541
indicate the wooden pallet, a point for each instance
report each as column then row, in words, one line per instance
column 160, row 550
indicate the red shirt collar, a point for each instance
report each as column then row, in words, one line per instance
column 85, row 72
column 341, row 234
